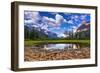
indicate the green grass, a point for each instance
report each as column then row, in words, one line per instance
column 31, row 42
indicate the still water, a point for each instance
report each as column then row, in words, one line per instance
column 62, row 46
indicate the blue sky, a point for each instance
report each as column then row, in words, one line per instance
column 56, row 22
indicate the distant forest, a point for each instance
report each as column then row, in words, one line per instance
column 34, row 34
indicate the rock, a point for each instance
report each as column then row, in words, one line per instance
column 44, row 55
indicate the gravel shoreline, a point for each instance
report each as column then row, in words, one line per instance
column 32, row 54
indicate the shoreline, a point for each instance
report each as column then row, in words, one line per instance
column 32, row 54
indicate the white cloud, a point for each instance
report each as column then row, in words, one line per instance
column 76, row 16
column 74, row 28
column 76, row 20
column 54, row 28
column 72, row 17
column 59, row 19
column 65, row 20
column 83, row 17
column 54, row 22
column 28, row 21
column 44, row 18
column 34, row 17
column 70, row 22
column 45, row 27
column 49, row 21
column 34, row 26
column 61, row 35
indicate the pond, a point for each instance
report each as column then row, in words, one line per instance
column 61, row 46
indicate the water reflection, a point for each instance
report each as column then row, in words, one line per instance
column 62, row 46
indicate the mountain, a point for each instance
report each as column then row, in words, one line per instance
column 83, row 27
column 51, row 35
column 83, row 31
column 38, row 33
